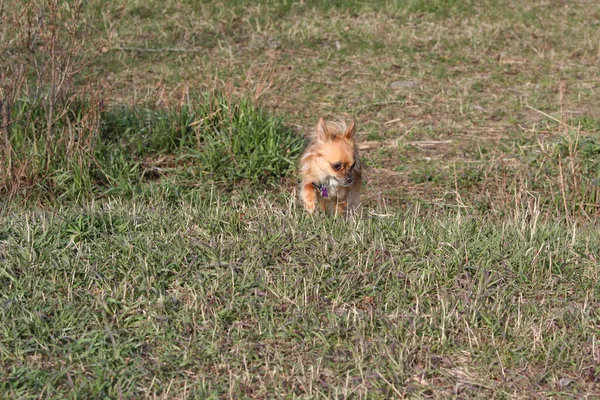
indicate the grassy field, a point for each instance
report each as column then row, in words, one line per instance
column 151, row 241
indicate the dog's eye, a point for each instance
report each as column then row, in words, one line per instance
column 336, row 166
column 353, row 165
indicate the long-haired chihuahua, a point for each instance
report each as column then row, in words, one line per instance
column 330, row 169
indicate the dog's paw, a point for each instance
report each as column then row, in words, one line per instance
column 311, row 207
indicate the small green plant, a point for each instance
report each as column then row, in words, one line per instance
column 426, row 173
column 587, row 123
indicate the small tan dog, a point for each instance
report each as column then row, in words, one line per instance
column 330, row 169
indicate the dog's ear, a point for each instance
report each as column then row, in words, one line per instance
column 350, row 131
column 322, row 133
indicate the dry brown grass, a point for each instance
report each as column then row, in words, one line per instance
column 466, row 81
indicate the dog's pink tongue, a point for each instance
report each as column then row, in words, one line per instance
column 324, row 192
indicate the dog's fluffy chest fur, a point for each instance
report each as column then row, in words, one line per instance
column 334, row 189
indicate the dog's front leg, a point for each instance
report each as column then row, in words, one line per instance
column 309, row 197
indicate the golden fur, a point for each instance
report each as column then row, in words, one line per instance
column 331, row 161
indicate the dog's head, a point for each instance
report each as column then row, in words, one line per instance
column 336, row 154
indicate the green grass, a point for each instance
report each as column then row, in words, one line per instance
column 154, row 247
column 210, row 297
column 223, row 140
column 216, row 140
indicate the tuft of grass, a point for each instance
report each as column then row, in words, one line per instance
column 225, row 141
column 219, row 139
column 41, row 164
column 240, row 142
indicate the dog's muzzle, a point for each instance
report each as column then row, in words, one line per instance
column 347, row 182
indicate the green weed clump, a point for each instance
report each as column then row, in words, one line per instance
column 57, row 162
column 237, row 141
column 218, row 140
column 228, row 141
